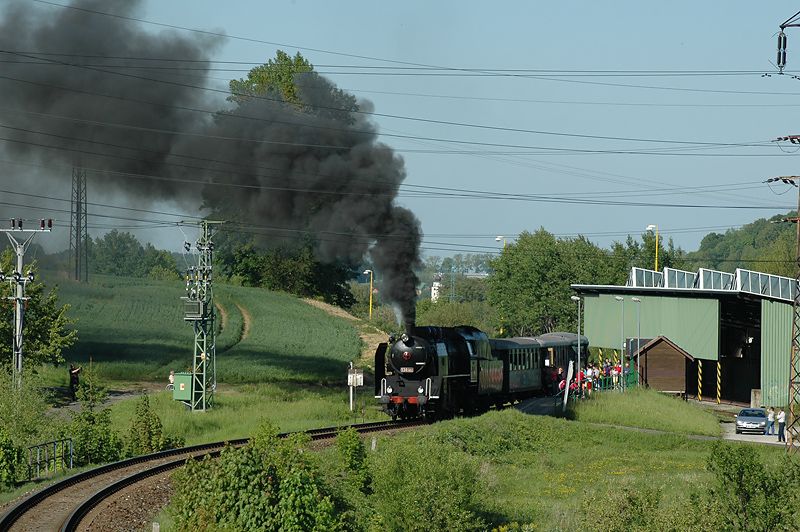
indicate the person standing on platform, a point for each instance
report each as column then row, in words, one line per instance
column 770, row 421
column 781, row 425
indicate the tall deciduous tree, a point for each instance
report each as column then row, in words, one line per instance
column 530, row 286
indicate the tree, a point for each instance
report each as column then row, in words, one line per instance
column 293, row 80
column 530, row 286
column 47, row 325
column 121, row 253
column 276, row 75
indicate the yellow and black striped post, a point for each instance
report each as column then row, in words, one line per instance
column 699, row 380
column 719, row 381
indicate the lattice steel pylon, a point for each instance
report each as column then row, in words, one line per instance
column 793, row 424
column 200, row 311
column 793, row 421
column 78, row 231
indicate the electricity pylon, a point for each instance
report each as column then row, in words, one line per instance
column 78, row 230
column 199, row 310
column 793, row 423
column 19, row 281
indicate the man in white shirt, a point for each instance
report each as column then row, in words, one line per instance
column 770, row 421
column 781, row 425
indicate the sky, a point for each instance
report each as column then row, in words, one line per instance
column 526, row 89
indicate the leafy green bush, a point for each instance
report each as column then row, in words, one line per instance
column 270, row 484
column 354, row 457
column 146, row 434
column 749, row 495
column 94, row 441
column 93, row 438
column 11, row 460
column 423, row 485
column 23, row 411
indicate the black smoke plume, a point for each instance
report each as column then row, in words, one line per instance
column 80, row 88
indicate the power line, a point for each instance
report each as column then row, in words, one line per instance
column 393, row 61
column 420, row 119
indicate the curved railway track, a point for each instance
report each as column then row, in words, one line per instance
column 64, row 504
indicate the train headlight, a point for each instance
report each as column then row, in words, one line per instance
column 420, row 390
column 389, row 389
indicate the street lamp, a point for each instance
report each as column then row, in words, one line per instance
column 577, row 299
column 653, row 227
column 638, row 339
column 370, row 291
column 501, row 238
column 622, row 337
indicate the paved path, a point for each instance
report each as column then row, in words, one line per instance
column 729, row 433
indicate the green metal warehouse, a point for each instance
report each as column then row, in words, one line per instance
column 732, row 328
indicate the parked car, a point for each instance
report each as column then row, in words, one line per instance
column 751, row 420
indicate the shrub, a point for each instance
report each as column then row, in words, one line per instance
column 146, row 434
column 270, row 484
column 354, row 458
column 93, row 438
column 23, row 410
column 11, row 460
column 438, row 485
column 748, row 495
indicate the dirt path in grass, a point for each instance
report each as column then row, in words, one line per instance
column 223, row 314
column 370, row 336
column 247, row 321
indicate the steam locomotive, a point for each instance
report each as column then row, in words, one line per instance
column 439, row 372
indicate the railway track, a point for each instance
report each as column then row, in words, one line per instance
column 64, row 504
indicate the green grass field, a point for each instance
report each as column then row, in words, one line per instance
column 240, row 409
column 547, row 471
column 133, row 329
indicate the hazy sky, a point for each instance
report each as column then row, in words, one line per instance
column 554, row 53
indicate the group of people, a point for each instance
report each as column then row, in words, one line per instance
column 603, row 376
column 781, row 419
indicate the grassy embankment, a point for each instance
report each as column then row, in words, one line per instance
column 133, row 329
column 278, row 357
column 646, row 409
column 536, row 469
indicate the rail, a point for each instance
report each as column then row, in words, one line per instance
column 14, row 514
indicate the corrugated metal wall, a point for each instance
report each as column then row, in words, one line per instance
column 776, row 345
column 693, row 324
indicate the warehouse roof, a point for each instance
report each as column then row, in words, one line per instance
column 704, row 283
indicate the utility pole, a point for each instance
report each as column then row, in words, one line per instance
column 78, row 231
column 18, row 281
column 793, row 424
column 199, row 309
